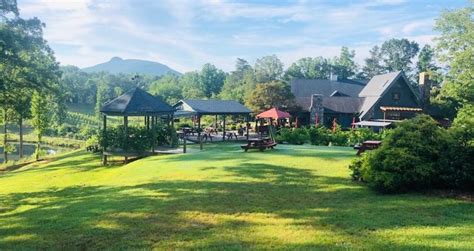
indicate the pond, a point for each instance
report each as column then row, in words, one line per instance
column 29, row 149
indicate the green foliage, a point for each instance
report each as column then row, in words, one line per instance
column 344, row 65
column 268, row 68
column 309, row 68
column 455, row 47
column 212, row 80
column 139, row 139
column 426, row 60
column 417, row 155
column 168, row 88
column 269, row 95
column 294, row 136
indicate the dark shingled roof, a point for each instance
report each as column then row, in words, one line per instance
column 325, row 87
column 334, row 104
column 136, row 102
column 212, row 107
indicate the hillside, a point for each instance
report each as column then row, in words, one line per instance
column 119, row 65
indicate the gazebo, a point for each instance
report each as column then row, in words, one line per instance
column 213, row 107
column 136, row 103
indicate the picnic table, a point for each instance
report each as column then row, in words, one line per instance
column 260, row 144
column 367, row 145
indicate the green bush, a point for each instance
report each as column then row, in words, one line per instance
column 411, row 157
column 295, row 136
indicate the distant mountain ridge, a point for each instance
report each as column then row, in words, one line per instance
column 118, row 65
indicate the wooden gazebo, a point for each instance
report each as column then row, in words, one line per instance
column 136, row 103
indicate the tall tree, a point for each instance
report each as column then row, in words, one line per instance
column 397, row 54
column 373, row 65
column 268, row 95
column 239, row 82
column 101, row 97
column 212, row 79
column 40, row 118
column 455, row 47
column 168, row 88
column 268, row 68
column 309, row 68
column 191, row 85
column 344, row 65
column 426, row 60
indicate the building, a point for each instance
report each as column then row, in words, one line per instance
column 385, row 98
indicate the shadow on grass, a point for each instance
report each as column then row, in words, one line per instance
column 167, row 213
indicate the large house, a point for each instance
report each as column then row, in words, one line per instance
column 384, row 99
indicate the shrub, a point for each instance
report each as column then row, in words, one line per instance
column 295, row 136
column 319, row 135
column 409, row 158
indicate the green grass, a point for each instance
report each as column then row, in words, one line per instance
column 295, row 197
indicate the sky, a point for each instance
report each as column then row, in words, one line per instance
column 187, row 34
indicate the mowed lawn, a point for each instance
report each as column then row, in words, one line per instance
column 294, row 197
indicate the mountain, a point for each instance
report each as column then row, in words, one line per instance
column 118, row 65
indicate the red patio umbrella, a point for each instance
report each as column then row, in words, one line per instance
column 274, row 114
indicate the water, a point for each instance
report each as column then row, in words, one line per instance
column 28, row 150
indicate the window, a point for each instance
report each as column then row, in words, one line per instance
column 393, row 115
column 396, row 96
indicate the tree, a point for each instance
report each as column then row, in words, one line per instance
column 373, row 65
column 191, row 86
column 267, row 95
column 21, row 112
column 344, row 66
column 268, row 68
column 397, row 54
column 100, row 98
column 212, row 80
column 455, row 47
column 40, row 118
column 309, row 68
column 426, row 59
column 168, row 88
column 239, row 82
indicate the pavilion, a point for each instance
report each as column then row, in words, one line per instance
column 213, row 107
column 136, row 103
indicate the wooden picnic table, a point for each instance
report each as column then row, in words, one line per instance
column 368, row 145
column 259, row 143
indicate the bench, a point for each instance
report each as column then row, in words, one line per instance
column 260, row 144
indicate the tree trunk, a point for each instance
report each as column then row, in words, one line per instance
column 20, row 124
column 38, row 148
column 5, row 154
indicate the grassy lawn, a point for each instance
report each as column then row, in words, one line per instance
column 221, row 198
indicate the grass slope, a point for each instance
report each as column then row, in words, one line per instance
column 221, row 198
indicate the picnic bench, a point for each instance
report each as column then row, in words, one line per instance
column 367, row 145
column 260, row 144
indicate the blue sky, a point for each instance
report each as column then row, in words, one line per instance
column 186, row 34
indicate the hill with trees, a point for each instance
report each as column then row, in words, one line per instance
column 130, row 66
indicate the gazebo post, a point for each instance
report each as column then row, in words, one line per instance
column 223, row 128
column 104, row 156
column 125, row 125
column 199, row 132
column 247, row 125
column 215, row 124
column 153, row 133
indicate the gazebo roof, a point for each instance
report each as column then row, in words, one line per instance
column 212, row 107
column 274, row 114
column 136, row 102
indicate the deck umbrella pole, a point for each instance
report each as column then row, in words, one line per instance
column 199, row 132
column 223, row 129
column 184, row 142
column 104, row 157
column 125, row 125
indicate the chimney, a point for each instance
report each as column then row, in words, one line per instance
column 316, row 109
column 333, row 77
column 426, row 84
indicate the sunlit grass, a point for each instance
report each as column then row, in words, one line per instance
column 292, row 197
